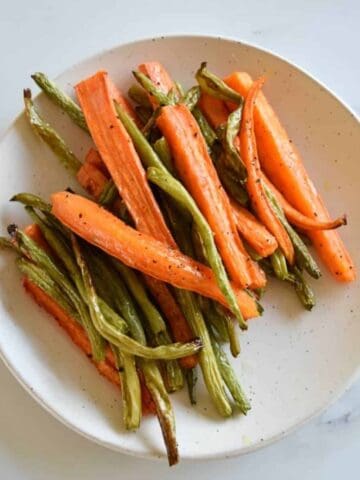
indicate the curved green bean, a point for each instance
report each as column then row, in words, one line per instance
column 49, row 135
column 214, row 86
column 139, row 95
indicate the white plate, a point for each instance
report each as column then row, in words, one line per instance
column 293, row 363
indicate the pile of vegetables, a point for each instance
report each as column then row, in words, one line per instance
column 195, row 199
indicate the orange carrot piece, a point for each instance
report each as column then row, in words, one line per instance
column 283, row 164
column 198, row 173
column 93, row 157
column 160, row 78
column 92, row 179
column 254, row 232
column 141, row 251
column 96, row 96
column 297, row 218
column 254, row 186
column 214, row 110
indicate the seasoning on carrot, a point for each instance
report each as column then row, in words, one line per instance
column 282, row 163
column 254, row 186
column 140, row 251
column 195, row 167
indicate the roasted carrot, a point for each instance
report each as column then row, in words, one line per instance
column 96, row 96
column 257, row 236
column 141, row 251
column 198, row 173
column 282, row 163
column 180, row 329
column 297, row 218
column 93, row 157
column 216, row 113
column 214, row 110
column 92, row 179
column 159, row 76
column 253, row 184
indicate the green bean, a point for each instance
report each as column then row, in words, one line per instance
column 109, row 194
column 41, row 258
column 302, row 254
column 50, row 137
column 232, row 185
column 32, row 201
column 151, row 373
column 124, row 304
column 130, row 389
column 139, row 96
column 230, row 379
column 214, row 86
column 189, row 305
column 278, row 263
column 161, row 97
column 179, row 88
column 118, row 291
column 191, row 380
column 7, row 244
column 60, row 99
column 207, row 131
column 213, row 319
column 232, row 155
column 138, row 291
column 164, row 409
column 127, row 344
column 191, row 97
column 175, row 189
column 162, row 149
column 302, row 288
column 217, row 315
column 41, row 279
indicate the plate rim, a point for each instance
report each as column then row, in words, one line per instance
column 151, row 455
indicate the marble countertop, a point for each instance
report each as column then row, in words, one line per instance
column 322, row 37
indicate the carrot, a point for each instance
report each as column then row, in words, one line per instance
column 141, row 251
column 93, row 157
column 179, row 327
column 216, row 113
column 159, row 76
column 282, row 163
column 254, row 186
column 91, row 178
column 198, row 173
column 96, row 95
column 254, row 232
column 297, row 218
column 214, row 110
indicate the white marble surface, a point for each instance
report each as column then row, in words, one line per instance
column 321, row 36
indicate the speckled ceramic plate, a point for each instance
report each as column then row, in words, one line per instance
column 293, row 363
